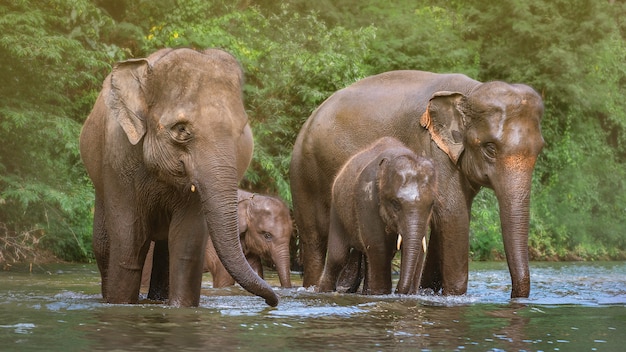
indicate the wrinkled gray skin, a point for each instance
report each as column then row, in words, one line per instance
column 381, row 192
column 477, row 135
column 265, row 230
column 165, row 146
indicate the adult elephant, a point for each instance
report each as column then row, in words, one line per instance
column 165, row 146
column 477, row 134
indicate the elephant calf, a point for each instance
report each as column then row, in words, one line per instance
column 265, row 230
column 382, row 192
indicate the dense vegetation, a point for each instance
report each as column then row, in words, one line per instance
column 54, row 55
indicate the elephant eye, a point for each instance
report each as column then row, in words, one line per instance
column 396, row 205
column 490, row 150
column 181, row 132
column 267, row 235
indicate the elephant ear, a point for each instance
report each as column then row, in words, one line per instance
column 445, row 120
column 243, row 216
column 127, row 99
column 381, row 182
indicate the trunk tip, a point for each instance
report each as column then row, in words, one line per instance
column 272, row 300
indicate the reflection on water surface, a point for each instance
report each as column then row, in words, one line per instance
column 573, row 307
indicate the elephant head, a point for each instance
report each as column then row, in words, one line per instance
column 493, row 135
column 407, row 188
column 184, row 109
column 265, row 227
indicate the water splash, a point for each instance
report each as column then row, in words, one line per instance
column 20, row 328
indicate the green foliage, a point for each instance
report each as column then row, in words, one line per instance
column 420, row 37
column 54, row 55
column 290, row 80
column 485, row 239
column 52, row 63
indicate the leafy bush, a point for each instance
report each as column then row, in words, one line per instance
column 54, row 55
column 53, row 66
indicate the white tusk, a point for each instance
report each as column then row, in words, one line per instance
column 399, row 241
column 193, row 188
column 424, row 243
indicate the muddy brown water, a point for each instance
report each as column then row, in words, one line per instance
column 572, row 307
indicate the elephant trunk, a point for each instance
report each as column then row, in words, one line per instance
column 513, row 195
column 412, row 261
column 283, row 266
column 219, row 202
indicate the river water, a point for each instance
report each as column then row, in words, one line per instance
column 572, row 307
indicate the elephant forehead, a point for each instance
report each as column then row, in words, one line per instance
column 523, row 134
column 411, row 184
column 265, row 221
column 266, row 214
column 199, row 66
column 191, row 85
column 402, row 183
column 409, row 191
column 262, row 209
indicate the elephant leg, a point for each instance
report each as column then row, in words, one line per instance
column 431, row 277
column 352, row 274
column 366, row 277
column 453, row 249
column 221, row 277
column 378, row 269
column 128, row 249
column 447, row 262
column 338, row 252
column 455, row 262
column 159, row 278
column 100, row 241
column 313, row 228
column 186, row 242
column 212, row 264
column 256, row 264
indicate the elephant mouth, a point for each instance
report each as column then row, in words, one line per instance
column 180, row 178
column 173, row 174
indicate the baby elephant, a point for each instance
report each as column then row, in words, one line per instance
column 383, row 192
column 265, row 229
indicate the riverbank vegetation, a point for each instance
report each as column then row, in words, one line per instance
column 54, row 55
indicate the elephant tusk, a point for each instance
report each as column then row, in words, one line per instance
column 424, row 243
column 193, row 188
column 399, row 242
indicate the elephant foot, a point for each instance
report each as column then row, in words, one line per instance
column 156, row 295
